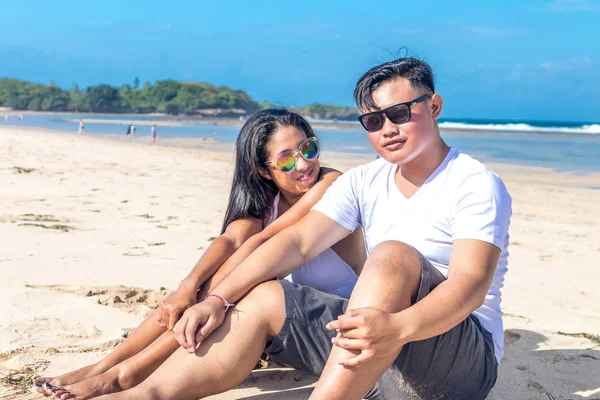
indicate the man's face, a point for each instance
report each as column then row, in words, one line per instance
column 401, row 144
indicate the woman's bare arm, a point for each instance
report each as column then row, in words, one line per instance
column 220, row 250
column 217, row 253
column 290, row 217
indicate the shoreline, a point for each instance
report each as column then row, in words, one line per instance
column 582, row 179
column 166, row 120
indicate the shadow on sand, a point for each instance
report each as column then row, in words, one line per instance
column 528, row 368
column 526, row 372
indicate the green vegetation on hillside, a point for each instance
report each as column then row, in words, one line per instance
column 164, row 96
column 320, row 111
column 328, row 111
column 170, row 97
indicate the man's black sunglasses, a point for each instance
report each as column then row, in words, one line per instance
column 397, row 114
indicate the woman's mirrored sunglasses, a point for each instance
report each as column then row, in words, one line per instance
column 286, row 162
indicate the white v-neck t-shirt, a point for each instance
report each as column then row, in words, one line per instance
column 462, row 199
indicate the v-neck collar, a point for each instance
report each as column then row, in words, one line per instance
column 396, row 189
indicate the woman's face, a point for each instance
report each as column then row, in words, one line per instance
column 299, row 180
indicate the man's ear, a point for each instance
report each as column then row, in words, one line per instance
column 437, row 103
column 264, row 173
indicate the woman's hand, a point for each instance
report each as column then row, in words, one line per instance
column 175, row 304
column 198, row 322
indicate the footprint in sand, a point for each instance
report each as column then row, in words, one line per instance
column 39, row 220
column 517, row 316
column 15, row 393
column 31, row 218
column 48, row 329
column 126, row 298
column 510, row 336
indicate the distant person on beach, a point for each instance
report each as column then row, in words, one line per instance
column 130, row 131
column 81, row 127
column 277, row 179
column 153, row 132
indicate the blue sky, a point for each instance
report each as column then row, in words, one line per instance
column 504, row 59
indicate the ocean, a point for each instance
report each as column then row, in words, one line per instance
column 560, row 145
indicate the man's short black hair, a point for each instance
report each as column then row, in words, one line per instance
column 416, row 71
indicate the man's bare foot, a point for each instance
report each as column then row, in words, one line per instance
column 69, row 378
column 110, row 381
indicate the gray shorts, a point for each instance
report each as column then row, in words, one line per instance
column 459, row 364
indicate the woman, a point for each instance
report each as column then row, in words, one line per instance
column 277, row 180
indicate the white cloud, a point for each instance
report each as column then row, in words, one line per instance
column 572, row 64
column 572, row 6
column 161, row 27
column 489, row 32
column 516, row 73
column 95, row 23
column 544, row 70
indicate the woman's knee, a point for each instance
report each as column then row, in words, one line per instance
column 266, row 301
column 268, row 293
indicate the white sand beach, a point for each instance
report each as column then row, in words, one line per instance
column 95, row 231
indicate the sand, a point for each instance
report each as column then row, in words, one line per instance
column 95, row 231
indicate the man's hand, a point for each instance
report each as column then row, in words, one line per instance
column 198, row 322
column 371, row 331
column 175, row 304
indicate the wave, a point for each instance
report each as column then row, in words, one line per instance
column 458, row 126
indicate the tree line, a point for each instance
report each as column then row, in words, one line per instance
column 167, row 96
column 321, row 111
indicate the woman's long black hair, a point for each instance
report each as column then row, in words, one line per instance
column 251, row 194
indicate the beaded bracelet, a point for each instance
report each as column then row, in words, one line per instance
column 227, row 304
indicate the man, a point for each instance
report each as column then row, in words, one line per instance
column 424, row 319
column 425, row 316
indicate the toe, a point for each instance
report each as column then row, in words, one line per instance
column 38, row 387
column 47, row 388
column 56, row 393
column 38, row 384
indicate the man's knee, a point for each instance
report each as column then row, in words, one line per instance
column 396, row 256
column 395, row 263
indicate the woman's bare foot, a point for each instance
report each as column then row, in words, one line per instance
column 69, row 378
column 111, row 381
